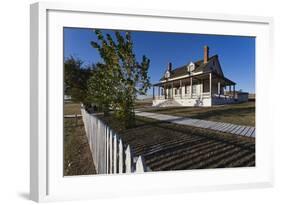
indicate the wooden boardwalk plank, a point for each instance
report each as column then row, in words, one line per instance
column 254, row 133
column 210, row 124
column 207, row 124
column 240, row 130
column 230, row 128
column 222, row 127
column 245, row 131
column 217, row 126
column 213, row 125
column 235, row 129
column 250, row 131
column 227, row 127
column 198, row 123
column 203, row 124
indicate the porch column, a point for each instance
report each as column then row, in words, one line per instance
column 180, row 89
column 210, row 81
column 201, row 91
column 219, row 88
column 190, row 87
column 153, row 92
column 159, row 94
column 230, row 93
column 172, row 90
column 164, row 92
column 234, row 91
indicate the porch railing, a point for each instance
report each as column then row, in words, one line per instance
column 183, row 96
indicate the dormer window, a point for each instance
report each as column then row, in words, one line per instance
column 191, row 67
column 167, row 74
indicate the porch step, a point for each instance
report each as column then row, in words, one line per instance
column 169, row 103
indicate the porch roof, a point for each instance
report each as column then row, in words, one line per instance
column 224, row 80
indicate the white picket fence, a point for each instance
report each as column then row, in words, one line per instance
column 107, row 148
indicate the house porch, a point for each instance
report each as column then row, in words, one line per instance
column 196, row 90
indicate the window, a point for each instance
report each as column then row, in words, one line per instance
column 191, row 67
column 167, row 74
column 186, row 89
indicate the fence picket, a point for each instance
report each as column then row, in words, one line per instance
column 108, row 149
column 115, row 154
column 140, row 165
column 128, row 160
column 120, row 157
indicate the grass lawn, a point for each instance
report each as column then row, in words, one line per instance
column 71, row 108
column 77, row 155
column 240, row 114
column 168, row 146
column 143, row 103
column 164, row 146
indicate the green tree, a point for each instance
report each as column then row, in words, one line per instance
column 75, row 79
column 99, row 89
column 121, row 76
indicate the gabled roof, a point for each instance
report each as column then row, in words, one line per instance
column 200, row 66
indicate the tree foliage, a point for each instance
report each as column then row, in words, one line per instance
column 120, row 77
column 75, row 79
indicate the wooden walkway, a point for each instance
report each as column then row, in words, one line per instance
column 216, row 126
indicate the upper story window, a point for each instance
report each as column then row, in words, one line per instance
column 191, row 67
column 167, row 74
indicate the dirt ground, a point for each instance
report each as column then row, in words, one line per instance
column 77, row 155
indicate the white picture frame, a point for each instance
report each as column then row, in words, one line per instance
column 46, row 178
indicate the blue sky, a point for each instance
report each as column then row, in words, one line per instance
column 236, row 53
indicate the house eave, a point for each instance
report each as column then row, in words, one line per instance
column 181, row 77
column 229, row 82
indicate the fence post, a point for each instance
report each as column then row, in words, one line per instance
column 96, row 145
column 115, row 154
column 104, row 150
column 107, row 150
column 128, row 160
column 110, row 153
column 120, row 157
column 140, row 166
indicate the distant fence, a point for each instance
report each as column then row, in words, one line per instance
column 108, row 151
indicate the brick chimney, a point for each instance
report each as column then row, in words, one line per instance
column 206, row 54
column 170, row 67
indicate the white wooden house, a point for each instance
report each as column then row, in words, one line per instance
column 200, row 83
